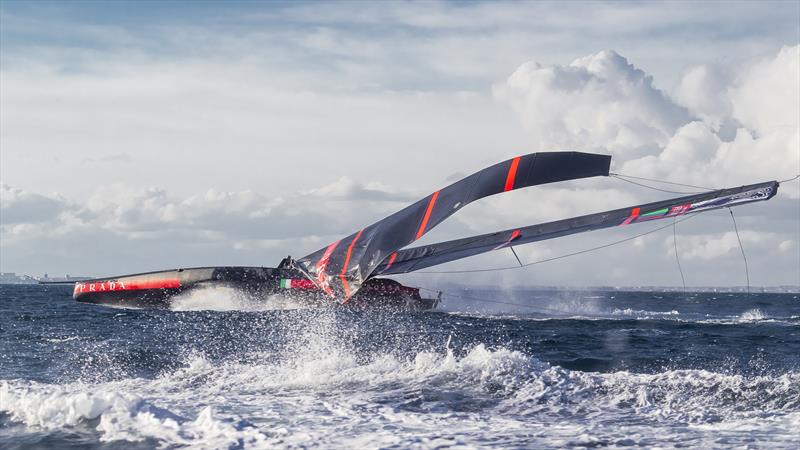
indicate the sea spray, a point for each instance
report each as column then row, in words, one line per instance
column 334, row 378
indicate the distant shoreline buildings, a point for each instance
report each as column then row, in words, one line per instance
column 13, row 278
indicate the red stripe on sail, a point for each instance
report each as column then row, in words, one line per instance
column 424, row 223
column 391, row 260
column 632, row 217
column 322, row 264
column 514, row 235
column 346, row 263
column 512, row 174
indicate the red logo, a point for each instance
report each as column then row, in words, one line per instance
column 130, row 285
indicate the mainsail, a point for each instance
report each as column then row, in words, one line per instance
column 416, row 258
column 340, row 267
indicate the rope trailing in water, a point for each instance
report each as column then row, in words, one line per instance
column 741, row 247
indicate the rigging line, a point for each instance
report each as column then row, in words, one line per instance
column 468, row 242
column 741, row 247
column 655, row 188
column 580, row 252
column 790, row 179
column 515, row 255
column 662, row 181
column 677, row 259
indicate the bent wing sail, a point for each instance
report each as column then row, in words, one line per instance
column 341, row 267
column 416, row 258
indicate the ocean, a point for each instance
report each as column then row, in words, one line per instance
column 490, row 369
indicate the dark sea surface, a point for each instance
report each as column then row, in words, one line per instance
column 503, row 369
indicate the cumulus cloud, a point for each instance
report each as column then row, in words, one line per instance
column 345, row 188
column 598, row 102
column 703, row 90
column 764, row 105
column 236, row 216
column 711, row 247
column 305, row 123
column 18, row 206
column 721, row 128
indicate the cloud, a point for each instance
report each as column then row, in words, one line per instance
column 764, row 105
column 345, row 188
column 745, row 131
column 18, row 206
column 135, row 229
column 703, row 90
column 766, row 96
column 726, row 245
column 239, row 217
column 312, row 120
column 598, row 102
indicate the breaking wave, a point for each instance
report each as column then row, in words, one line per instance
column 332, row 378
column 327, row 396
column 752, row 315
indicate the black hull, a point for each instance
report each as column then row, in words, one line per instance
column 159, row 289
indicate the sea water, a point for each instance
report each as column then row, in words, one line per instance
column 505, row 369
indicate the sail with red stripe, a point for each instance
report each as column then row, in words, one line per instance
column 340, row 268
column 417, row 258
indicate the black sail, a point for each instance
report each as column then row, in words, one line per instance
column 416, row 258
column 341, row 267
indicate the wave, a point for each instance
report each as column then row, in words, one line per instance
column 322, row 394
column 642, row 314
column 752, row 315
column 120, row 415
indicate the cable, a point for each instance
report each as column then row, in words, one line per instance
column 741, row 247
column 515, row 255
column 655, row 188
column 790, row 179
column 580, row 252
column 662, row 181
column 677, row 259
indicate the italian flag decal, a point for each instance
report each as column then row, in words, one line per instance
column 288, row 283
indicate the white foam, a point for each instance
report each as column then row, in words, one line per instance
column 323, row 394
column 752, row 315
column 122, row 415
column 64, row 339
column 224, row 298
column 643, row 314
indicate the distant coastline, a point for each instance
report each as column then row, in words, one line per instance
column 781, row 289
column 13, row 278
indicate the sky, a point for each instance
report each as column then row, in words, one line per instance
column 146, row 136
